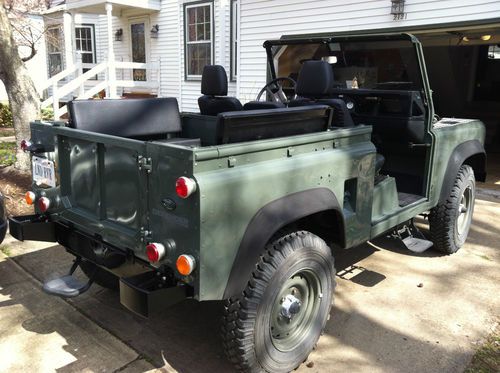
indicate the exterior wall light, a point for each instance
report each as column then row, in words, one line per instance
column 398, row 9
column 119, row 35
column 154, row 31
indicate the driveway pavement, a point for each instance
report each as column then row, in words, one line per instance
column 395, row 311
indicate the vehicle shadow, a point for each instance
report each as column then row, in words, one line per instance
column 60, row 336
column 186, row 336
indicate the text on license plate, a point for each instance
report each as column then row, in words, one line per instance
column 43, row 172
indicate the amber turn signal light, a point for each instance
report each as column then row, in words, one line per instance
column 30, row 197
column 185, row 264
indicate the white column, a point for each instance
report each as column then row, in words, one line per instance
column 111, row 52
column 238, row 49
column 220, row 13
column 68, row 30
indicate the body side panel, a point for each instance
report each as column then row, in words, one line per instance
column 234, row 188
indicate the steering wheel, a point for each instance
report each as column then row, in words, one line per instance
column 275, row 90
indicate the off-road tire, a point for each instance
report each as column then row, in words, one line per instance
column 3, row 232
column 247, row 335
column 447, row 231
column 101, row 277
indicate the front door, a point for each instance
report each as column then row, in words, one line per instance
column 139, row 48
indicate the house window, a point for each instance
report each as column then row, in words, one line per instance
column 54, row 50
column 234, row 39
column 198, row 21
column 84, row 39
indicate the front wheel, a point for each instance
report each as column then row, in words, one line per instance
column 450, row 221
column 276, row 322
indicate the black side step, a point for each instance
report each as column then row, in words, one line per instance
column 67, row 286
column 412, row 238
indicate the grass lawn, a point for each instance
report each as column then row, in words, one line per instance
column 487, row 357
column 7, row 153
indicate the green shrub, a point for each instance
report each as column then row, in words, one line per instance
column 7, row 153
column 48, row 113
column 5, row 116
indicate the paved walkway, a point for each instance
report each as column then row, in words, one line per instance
column 8, row 139
column 383, row 321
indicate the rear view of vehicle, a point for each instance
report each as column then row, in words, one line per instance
column 92, row 193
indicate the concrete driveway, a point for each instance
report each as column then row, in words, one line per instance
column 394, row 312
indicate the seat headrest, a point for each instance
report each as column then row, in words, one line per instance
column 315, row 79
column 214, row 81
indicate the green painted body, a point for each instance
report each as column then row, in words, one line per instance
column 104, row 191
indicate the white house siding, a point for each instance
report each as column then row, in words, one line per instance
column 264, row 19
column 190, row 90
column 168, row 49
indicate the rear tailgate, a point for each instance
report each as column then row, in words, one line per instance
column 103, row 185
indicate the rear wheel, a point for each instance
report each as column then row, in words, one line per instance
column 450, row 221
column 101, row 277
column 276, row 322
column 3, row 230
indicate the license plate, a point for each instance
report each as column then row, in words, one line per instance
column 43, row 172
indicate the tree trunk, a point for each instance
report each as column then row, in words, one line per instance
column 24, row 100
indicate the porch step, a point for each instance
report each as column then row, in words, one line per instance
column 66, row 286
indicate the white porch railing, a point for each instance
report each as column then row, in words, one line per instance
column 59, row 92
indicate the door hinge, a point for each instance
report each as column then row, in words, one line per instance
column 145, row 234
column 145, row 163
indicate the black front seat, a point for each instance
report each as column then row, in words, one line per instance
column 315, row 85
column 214, row 89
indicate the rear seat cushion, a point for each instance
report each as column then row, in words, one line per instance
column 133, row 118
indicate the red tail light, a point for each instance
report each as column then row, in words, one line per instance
column 43, row 204
column 25, row 144
column 184, row 187
column 155, row 252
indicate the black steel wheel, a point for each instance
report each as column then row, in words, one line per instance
column 101, row 277
column 276, row 322
column 450, row 221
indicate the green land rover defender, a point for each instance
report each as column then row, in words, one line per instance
column 244, row 203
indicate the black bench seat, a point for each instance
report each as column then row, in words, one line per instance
column 250, row 125
column 142, row 119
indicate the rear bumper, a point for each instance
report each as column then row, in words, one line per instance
column 142, row 293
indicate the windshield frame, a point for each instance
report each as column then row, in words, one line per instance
column 326, row 39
